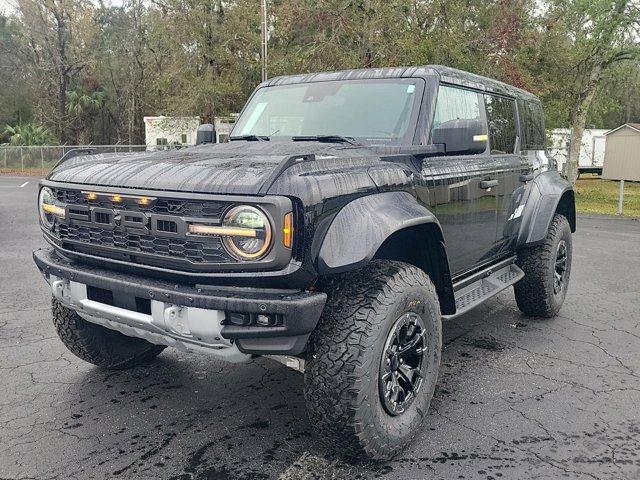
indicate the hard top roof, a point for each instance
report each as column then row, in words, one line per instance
column 446, row 74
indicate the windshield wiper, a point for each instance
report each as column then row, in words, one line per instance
column 326, row 138
column 259, row 138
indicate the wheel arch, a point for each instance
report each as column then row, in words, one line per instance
column 549, row 194
column 388, row 226
column 403, row 245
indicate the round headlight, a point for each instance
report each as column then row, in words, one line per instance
column 254, row 238
column 48, row 207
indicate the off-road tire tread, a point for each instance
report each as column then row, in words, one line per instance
column 534, row 295
column 99, row 345
column 348, row 327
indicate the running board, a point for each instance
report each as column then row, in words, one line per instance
column 489, row 282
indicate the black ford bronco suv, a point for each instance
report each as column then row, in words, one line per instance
column 349, row 215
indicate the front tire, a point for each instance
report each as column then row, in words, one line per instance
column 374, row 359
column 99, row 345
column 547, row 268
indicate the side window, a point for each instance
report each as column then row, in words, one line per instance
column 532, row 125
column 458, row 123
column 501, row 117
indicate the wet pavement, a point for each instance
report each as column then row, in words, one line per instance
column 517, row 397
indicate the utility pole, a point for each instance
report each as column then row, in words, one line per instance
column 263, row 8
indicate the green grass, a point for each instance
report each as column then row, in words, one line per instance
column 594, row 195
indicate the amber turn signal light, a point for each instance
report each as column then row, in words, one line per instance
column 287, row 230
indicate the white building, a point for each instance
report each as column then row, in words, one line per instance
column 223, row 127
column 591, row 150
column 162, row 131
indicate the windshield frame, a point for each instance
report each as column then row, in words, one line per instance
column 407, row 139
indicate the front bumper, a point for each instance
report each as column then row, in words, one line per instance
column 183, row 315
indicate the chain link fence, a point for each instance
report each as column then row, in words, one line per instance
column 40, row 159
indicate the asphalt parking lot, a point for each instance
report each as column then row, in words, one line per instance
column 517, row 398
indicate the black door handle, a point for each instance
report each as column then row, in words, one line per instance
column 486, row 184
column 526, row 177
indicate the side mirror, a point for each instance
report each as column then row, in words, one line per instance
column 461, row 137
column 206, row 134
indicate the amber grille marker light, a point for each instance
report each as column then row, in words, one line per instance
column 287, row 230
column 118, row 198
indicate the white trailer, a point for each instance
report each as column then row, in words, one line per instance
column 591, row 157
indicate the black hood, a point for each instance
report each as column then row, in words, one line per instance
column 240, row 167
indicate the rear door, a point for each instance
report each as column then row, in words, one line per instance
column 512, row 169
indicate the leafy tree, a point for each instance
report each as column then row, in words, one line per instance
column 604, row 33
column 15, row 98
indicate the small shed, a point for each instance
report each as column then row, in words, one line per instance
column 622, row 153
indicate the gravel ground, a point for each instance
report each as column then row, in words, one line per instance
column 517, row 398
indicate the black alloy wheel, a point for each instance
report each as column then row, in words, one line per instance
column 401, row 366
column 560, row 267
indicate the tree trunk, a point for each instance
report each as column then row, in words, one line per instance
column 62, row 108
column 63, row 74
column 579, row 120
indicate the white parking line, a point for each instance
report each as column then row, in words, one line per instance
column 23, row 185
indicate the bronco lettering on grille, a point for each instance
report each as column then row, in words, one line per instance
column 126, row 220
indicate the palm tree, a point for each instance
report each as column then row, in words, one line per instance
column 29, row 134
column 81, row 104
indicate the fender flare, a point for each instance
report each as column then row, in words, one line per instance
column 362, row 226
column 545, row 194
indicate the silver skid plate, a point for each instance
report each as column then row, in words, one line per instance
column 182, row 327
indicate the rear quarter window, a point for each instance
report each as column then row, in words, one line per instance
column 532, row 125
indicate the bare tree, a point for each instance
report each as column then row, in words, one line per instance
column 53, row 52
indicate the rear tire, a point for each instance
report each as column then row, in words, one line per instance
column 99, row 345
column 356, row 365
column 547, row 269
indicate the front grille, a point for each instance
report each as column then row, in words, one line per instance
column 198, row 252
column 143, row 246
column 164, row 206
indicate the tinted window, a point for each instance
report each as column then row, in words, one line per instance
column 501, row 117
column 531, row 125
column 366, row 109
column 458, row 122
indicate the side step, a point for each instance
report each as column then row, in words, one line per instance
column 471, row 292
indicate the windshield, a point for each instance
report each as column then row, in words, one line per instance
column 367, row 110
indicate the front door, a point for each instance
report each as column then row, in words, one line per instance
column 465, row 205
column 462, row 183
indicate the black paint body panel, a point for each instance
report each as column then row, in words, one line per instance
column 387, row 212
